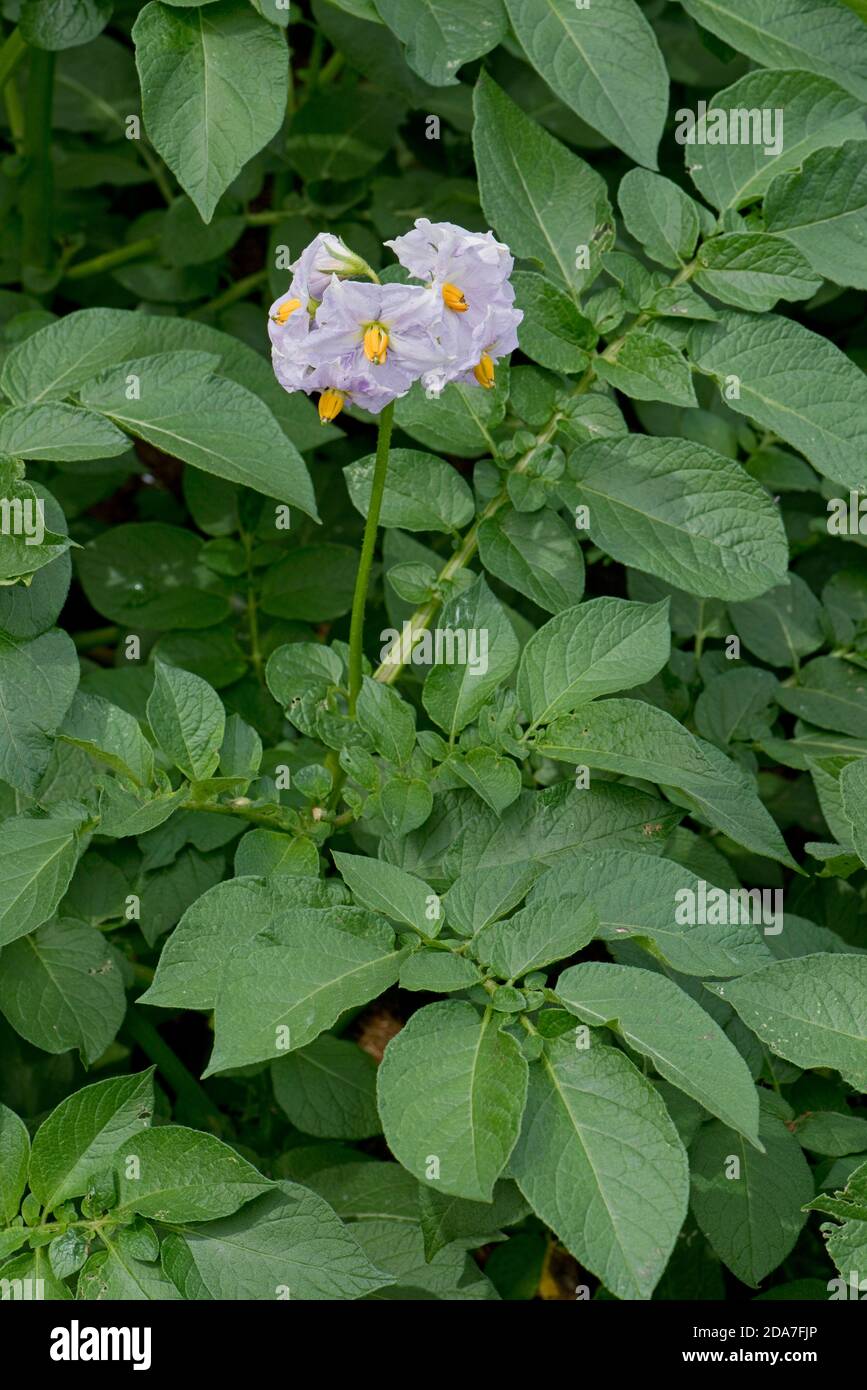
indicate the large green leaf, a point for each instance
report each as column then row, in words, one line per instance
column 183, row 1175
column 329, row 1089
column 604, row 62
column 680, row 511
column 752, row 270
column 295, row 979
column 638, row 740
column 37, row 682
column 600, row 1161
column 604, row 645
column 387, row 889
column 441, row 35
column 660, row 1021
column 793, row 382
column 815, row 37
column 187, row 719
column 422, row 493
column 812, row 1011
column 61, row 988
column 38, row 855
column 58, row 431
column 542, row 199
column 748, row 1204
column 197, row 70
column 14, row 1161
column 206, row 420
column 463, row 681
column 287, row 1244
column 544, row 931
column 451, row 1088
column 537, row 554
column 78, row 1140
column 822, row 209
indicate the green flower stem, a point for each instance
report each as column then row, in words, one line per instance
column 11, row 53
column 109, row 259
column 239, row 290
column 356, row 630
column 182, row 1082
column 37, row 183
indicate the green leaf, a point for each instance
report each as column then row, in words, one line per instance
column 638, row 740
column 196, row 71
column 679, row 511
column 542, row 199
column 115, row 1275
column 831, row 693
column 818, row 114
column 649, row 369
column 553, row 332
column 183, row 1175
column 49, row 25
column 288, row 1243
column 34, row 535
column 853, row 791
column 751, row 1216
column 149, row 575
column 752, row 270
column 422, row 493
column 38, row 855
column 80, row 1137
column 451, row 1087
column 459, row 421
column 445, row 1220
column 388, row 719
column 398, row 895
column 438, row 972
column 295, row 979
column 110, row 735
column 442, row 35
column 208, row 421
column 660, row 216
column 314, row 582
column 228, row 915
column 663, row 1023
column 600, row 1162
column 477, row 898
column 496, row 780
column 603, row 62
column 826, row 40
column 537, row 554
column 187, row 719
column 812, row 1011
column 61, row 988
column 405, row 803
column 735, row 706
column 827, row 1132
column 635, row 896
column 60, row 432
column 458, row 687
column 14, row 1161
column 37, row 683
column 822, row 210
column 793, row 382
column 328, row 1089
column 341, row 134
column 784, row 624
column 544, row 931
column 604, row 645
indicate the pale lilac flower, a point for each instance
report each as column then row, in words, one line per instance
column 346, row 381
column 326, row 256
column 386, row 330
column 289, row 320
column 493, row 338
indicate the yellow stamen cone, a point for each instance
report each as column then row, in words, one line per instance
column 484, row 371
column 375, row 344
column 454, row 299
column 330, row 404
column 287, row 308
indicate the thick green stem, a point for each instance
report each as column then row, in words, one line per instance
column 183, row 1083
column 36, row 186
column 109, row 259
column 356, row 630
column 239, row 290
column 11, row 53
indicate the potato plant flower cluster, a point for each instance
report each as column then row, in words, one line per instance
column 356, row 340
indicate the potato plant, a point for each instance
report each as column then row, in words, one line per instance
column 433, row 647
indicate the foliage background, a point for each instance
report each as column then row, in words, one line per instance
column 159, row 160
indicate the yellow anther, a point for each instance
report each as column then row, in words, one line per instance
column 375, row 344
column 330, row 404
column 454, row 299
column 286, row 308
column 484, row 371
